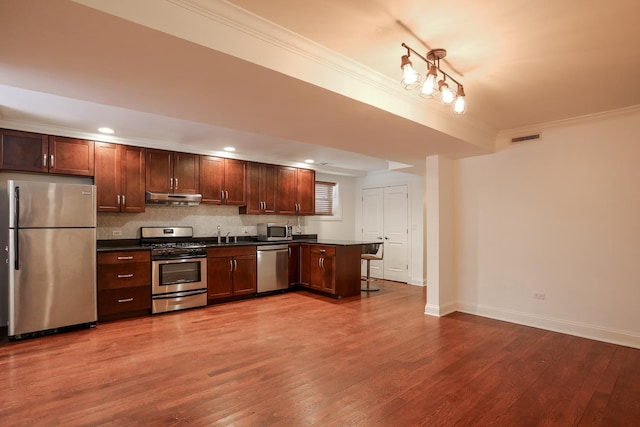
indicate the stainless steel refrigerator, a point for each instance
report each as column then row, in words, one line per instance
column 52, row 257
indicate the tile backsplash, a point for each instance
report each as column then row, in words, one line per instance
column 203, row 218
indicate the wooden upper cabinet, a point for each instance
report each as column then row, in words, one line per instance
column 159, row 171
column 33, row 152
column 296, row 191
column 71, row 156
column 287, row 199
column 306, row 191
column 262, row 189
column 222, row 181
column 107, row 179
column 24, row 151
column 186, row 173
column 120, row 177
column 172, row 172
column 133, row 178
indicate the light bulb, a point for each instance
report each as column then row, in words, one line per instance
column 410, row 75
column 429, row 87
column 411, row 78
column 446, row 96
column 460, row 105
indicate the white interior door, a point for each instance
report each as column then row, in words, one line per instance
column 372, row 225
column 396, row 233
column 385, row 218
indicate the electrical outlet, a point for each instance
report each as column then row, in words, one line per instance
column 539, row 295
column 116, row 233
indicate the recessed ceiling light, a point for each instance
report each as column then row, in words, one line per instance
column 106, row 130
column 229, row 149
column 309, row 161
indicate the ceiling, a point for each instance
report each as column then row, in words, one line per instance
column 286, row 80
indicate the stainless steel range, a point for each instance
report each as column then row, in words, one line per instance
column 178, row 268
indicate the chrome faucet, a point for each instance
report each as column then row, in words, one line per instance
column 227, row 236
column 219, row 235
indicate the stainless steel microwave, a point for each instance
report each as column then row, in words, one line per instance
column 269, row 231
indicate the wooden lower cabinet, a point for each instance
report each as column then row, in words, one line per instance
column 231, row 271
column 124, row 284
column 294, row 264
column 332, row 269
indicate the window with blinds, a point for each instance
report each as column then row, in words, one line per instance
column 325, row 198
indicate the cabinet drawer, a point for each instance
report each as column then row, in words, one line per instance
column 323, row 250
column 115, row 301
column 231, row 252
column 124, row 257
column 112, row 276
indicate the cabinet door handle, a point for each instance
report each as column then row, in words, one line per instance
column 221, row 195
column 176, row 183
column 120, row 258
column 171, row 183
column 51, row 161
column 322, row 263
column 235, row 265
column 123, row 201
column 226, row 195
column 125, row 300
column 125, row 276
column 44, row 160
column 230, row 265
column 118, row 198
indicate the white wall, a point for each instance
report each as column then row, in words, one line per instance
column 415, row 185
column 341, row 226
column 559, row 217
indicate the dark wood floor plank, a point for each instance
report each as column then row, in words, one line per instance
column 301, row 359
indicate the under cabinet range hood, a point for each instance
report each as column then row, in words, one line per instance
column 174, row 199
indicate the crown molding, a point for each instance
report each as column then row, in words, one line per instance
column 504, row 137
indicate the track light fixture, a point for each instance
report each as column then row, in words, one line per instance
column 431, row 86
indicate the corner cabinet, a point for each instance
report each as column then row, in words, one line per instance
column 262, row 188
column 231, row 271
column 33, row 152
column 120, row 177
column 331, row 269
column 172, row 172
column 223, row 181
column 296, row 191
column 124, row 284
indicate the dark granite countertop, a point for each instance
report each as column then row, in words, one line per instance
column 134, row 244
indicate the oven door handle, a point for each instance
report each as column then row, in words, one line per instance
column 180, row 294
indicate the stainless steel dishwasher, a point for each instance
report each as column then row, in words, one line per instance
column 273, row 268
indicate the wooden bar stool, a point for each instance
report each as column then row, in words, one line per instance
column 371, row 252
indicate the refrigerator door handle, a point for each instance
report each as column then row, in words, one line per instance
column 16, row 195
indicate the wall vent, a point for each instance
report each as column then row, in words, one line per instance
column 526, row 138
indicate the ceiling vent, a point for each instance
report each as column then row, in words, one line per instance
column 526, row 138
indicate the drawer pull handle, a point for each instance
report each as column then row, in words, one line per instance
column 120, row 258
column 125, row 300
column 125, row 276
column 323, row 251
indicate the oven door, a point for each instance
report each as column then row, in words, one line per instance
column 178, row 275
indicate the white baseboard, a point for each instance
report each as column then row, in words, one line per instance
column 439, row 310
column 579, row 329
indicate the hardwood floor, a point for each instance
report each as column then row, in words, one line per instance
column 300, row 359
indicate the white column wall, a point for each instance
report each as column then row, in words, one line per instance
column 439, row 236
